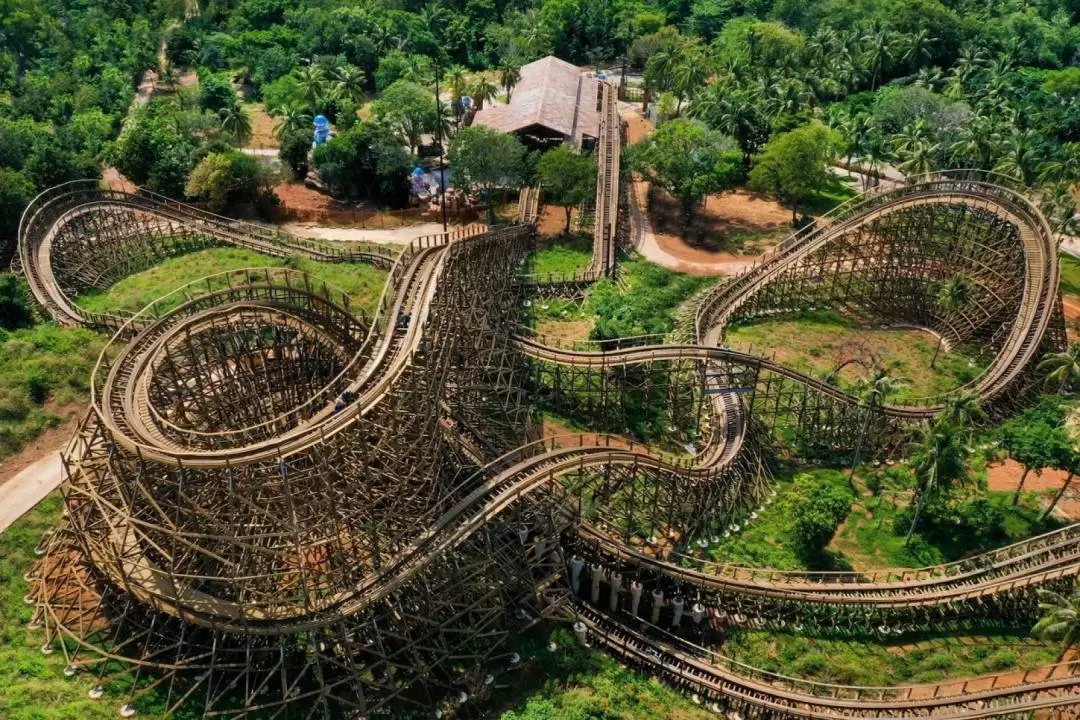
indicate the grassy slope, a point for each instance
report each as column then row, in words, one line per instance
column 32, row 685
column 363, row 283
column 815, row 341
column 564, row 255
column 41, row 369
column 872, row 662
column 1070, row 275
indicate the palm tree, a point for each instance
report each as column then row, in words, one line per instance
column 939, row 461
column 313, row 85
column 873, row 394
column 689, row 72
column 1065, row 168
column 292, row 120
column 509, row 75
column 964, row 410
column 856, row 131
column 1062, row 369
column 349, row 83
column 236, row 122
column 918, row 48
column 879, row 45
column 915, row 149
column 929, row 78
column 953, row 296
column 979, row 143
column 1060, row 620
column 483, row 91
column 1018, row 157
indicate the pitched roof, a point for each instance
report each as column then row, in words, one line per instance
column 552, row 93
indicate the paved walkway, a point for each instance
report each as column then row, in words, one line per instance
column 22, row 492
column 401, row 235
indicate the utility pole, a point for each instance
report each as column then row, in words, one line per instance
column 442, row 150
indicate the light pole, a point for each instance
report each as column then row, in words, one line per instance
column 442, row 150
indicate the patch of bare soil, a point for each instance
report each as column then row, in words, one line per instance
column 115, row 180
column 729, row 228
column 566, row 331
column 637, row 126
column 45, row 444
column 1005, row 476
column 553, row 221
column 297, row 196
column 262, row 127
column 1071, row 304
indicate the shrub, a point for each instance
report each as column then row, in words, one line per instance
column 16, row 310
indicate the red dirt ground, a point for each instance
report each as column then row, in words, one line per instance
column 297, row 196
column 552, row 221
column 1004, row 477
column 723, row 217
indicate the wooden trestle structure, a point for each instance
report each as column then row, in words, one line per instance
column 279, row 506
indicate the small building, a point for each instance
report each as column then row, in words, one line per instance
column 553, row 102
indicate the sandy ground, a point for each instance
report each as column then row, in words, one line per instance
column 400, row 235
column 1004, row 477
column 733, row 212
column 262, row 129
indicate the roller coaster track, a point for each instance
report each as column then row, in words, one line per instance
column 121, row 401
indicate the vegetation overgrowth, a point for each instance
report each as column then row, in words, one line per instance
column 362, row 283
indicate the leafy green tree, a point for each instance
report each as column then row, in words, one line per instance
column 215, row 91
column 940, row 459
column 16, row 192
column 365, row 163
column 1037, row 439
column 821, row 509
column 16, row 307
column 408, row 109
column 1060, row 620
column 952, row 297
column 795, row 165
column 688, row 160
column 483, row 159
column 155, row 148
column 223, row 178
column 568, row 179
column 293, row 150
column 1062, row 369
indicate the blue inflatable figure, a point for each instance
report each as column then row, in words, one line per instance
column 322, row 129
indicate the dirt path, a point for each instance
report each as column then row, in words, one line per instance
column 669, row 250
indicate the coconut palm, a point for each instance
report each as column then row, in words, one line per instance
column 963, row 410
column 509, row 75
column 1062, row 369
column 873, row 394
column 348, row 83
column 313, row 84
column 918, row 48
column 1018, row 158
column 1060, row 619
column 483, row 91
column 291, row 120
column 939, row 460
column 953, row 296
column 879, row 48
column 979, row 143
column 856, row 130
column 236, row 122
column 1065, row 168
column 930, row 78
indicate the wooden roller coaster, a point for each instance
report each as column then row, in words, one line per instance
column 280, row 506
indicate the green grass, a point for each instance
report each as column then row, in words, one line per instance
column 1070, row 275
column 42, row 369
column 873, row 662
column 575, row 683
column 562, row 255
column 836, row 191
column 767, row 541
column 32, row 685
column 362, row 283
column 818, row 341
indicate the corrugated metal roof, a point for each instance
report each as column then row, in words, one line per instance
column 552, row 93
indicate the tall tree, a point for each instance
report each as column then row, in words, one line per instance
column 872, row 394
column 348, row 83
column 795, row 165
column 313, row 85
column 940, row 460
column 291, row 121
column 483, row 160
column 568, row 179
column 236, row 122
column 954, row 296
column 483, row 90
column 688, row 160
column 509, row 75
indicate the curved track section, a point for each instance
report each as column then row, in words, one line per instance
column 280, row 504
